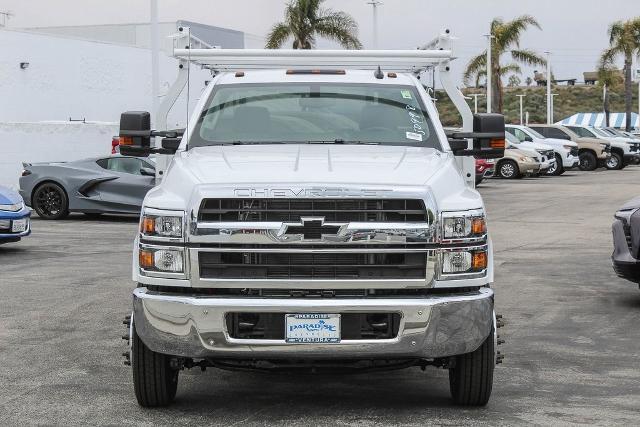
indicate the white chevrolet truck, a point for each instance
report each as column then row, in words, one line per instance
column 315, row 217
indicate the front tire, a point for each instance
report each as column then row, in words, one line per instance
column 154, row 381
column 588, row 161
column 614, row 162
column 558, row 168
column 471, row 377
column 508, row 169
column 50, row 201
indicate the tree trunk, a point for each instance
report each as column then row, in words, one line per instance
column 627, row 91
column 496, row 87
column 605, row 105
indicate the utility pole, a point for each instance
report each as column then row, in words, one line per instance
column 375, row 4
column 549, row 99
column 489, row 69
column 521, row 117
column 155, row 58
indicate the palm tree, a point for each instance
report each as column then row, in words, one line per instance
column 624, row 40
column 608, row 77
column 506, row 39
column 306, row 19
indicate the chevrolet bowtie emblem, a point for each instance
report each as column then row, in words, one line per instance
column 311, row 228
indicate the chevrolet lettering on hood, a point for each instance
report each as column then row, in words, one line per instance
column 308, row 192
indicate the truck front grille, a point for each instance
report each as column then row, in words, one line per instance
column 574, row 151
column 311, row 265
column 332, row 210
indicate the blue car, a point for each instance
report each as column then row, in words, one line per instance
column 14, row 216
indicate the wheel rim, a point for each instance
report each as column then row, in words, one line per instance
column 585, row 162
column 612, row 162
column 49, row 201
column 553, row 168
column 507, row 170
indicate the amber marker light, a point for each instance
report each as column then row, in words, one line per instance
column 125, row 140
column 145, row 259
column 148, row 225
column 498, row 143
column 479, row 260
column 478, row 226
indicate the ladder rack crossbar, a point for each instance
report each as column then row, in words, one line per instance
column 243, row 59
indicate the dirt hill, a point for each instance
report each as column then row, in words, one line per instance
column 570, row 100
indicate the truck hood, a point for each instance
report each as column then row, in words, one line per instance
column 305, row 163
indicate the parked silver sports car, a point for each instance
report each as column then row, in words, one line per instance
column 114, row 184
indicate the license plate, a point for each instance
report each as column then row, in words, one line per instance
column 312, row 328
column 18, row 225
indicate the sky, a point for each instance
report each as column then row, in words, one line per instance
column 574, row 31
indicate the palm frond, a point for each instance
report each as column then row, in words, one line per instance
column 475, row 66
column 278, row 35
column 615, row 31
column 338, row 26
column 510, row 68
column 509, row 33
column 528, row 57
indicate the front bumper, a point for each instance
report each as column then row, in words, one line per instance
column 6, row 235
column 624, row 264
column 570, row 162
column 631, row 159
column 527, row 168
column 430, row 327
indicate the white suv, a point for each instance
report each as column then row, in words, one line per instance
column 566, row 152
column 624, row 151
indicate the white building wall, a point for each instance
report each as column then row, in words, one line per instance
column 78, row 79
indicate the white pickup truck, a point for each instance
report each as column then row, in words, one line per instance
column 315, row 216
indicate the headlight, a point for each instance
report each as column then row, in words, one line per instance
column 604, row 146
column 12, row 208
column 162, row 225
column 464, row 225
column 161, row 259
column 567, row 147
column 464, row 261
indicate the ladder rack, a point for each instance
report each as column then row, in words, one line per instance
column 410, row 61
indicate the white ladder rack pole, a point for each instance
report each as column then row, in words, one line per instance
column 467, row 163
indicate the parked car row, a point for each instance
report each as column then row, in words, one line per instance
column 553, row 149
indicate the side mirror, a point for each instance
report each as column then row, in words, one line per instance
column 135, row 133
column 147, row 172
column 488, row 138
column 171, row 144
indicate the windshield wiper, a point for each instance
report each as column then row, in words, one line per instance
column 342, row 141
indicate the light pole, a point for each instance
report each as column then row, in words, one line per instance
column 552, row 96
column 521, row 118
column 489, row 68
column 375, row 4
column 549, row 100
column 475, row 101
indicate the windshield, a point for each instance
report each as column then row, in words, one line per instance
column 314, row 113
column 583, row 132
column 600, row 133
column 535, row 133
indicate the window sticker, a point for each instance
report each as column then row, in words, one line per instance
column 406, row 94
column 414, row 136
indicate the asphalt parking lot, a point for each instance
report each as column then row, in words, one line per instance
column 572, row 329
